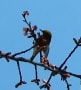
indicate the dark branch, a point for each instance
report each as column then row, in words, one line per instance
column 68, row 56
column 56, row 70
column 18, row 53
column 21, row 81
column 18, row 65
column 68, row 85
column 78, row 43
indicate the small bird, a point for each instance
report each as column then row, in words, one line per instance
column 42, row 44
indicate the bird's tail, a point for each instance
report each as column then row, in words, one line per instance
column 46, row 51
column 35, row 52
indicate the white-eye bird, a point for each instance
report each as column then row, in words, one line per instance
column 42, row 44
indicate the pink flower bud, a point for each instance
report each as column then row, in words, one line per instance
column 44, row 81
column 25, row 31
column 34, row 27
column 25, row 13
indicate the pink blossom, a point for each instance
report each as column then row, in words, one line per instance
column 25, row 31
column 34, row 27
column 25, row 13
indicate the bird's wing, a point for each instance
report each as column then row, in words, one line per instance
column 46, row 51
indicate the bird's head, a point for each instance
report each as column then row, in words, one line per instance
column 47, row 35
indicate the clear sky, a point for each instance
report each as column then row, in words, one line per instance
column 61, row 17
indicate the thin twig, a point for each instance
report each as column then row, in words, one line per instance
column 36, row 72
column 40, row 57
column 68, row 85
column 75, row 75
column 50, row 77
column 18, row 53
column 29, row 24
column 68, row 56
column 21, row 81
column 36, row 80
column 47, row 84
column 19, row 71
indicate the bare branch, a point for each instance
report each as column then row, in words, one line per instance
column 55, row 70
column 18, row 53
column 78, row 43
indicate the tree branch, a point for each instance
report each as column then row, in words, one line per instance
column 68, row 56
column 18, row 53
column 78, row 43
column 55, row 70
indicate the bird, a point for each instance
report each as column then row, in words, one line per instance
column 42, row 44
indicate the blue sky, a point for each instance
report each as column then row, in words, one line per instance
column 61, row 17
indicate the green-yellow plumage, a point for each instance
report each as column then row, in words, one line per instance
column 42, row 41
